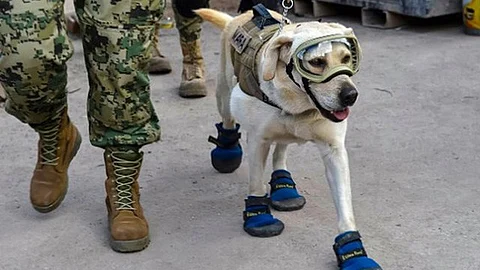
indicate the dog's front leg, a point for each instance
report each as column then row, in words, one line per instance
column 258, row 221
column 279, row 159
column 257, row 157
column 335, row 159
column 348, row 247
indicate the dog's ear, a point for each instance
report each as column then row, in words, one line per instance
column 271, row 56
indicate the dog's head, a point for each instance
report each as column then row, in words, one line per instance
column 311, row 64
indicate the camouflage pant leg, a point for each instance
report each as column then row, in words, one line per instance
column 117, row 36
column 34, row 50
column 189, row 28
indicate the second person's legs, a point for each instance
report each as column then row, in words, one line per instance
column 189, row 26
column 159, row 64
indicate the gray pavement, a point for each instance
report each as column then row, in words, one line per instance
column 413, row 145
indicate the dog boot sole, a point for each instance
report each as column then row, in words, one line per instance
column 289, row 205
column 226, row 166
column 266, row 231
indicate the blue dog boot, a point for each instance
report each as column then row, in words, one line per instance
column 283, row 193
column 350, row 253
column 258, row 221
column 227, row 156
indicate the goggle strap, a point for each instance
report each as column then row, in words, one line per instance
column 290, row 72
column 306, row 86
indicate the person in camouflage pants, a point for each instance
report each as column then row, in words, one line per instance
column 189, row 27
column 117, row 40
column 192, row 83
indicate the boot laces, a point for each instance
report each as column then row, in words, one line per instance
column 49, row 145
column 194, row 70
column 125, row 172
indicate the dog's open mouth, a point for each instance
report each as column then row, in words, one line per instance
column 335, row 116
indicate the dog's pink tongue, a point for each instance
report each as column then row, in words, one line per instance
column 341, row 115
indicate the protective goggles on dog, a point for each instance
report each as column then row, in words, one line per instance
column 323, row 46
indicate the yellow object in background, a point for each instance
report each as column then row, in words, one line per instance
column 471, row 16
column 167, row 23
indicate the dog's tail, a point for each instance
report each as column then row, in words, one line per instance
column 217, row 18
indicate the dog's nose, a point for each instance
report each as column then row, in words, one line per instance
column 348, row 96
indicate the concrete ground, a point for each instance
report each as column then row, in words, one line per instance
column 413, row 144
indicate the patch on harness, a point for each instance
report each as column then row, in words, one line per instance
column 240, row 40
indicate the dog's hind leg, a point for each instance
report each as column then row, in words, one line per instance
column 226, row 157
column 283, row 192
column 348, row 247
column 223, row 95
column 224, row 85
column 258, row 221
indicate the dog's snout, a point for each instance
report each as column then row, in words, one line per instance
column 348, row 96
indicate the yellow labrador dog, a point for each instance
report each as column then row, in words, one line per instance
column 285, row 85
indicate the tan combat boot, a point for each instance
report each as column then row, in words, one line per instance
column 58, row 144
column 158, row 63
column 193, row 81
column 127, row 224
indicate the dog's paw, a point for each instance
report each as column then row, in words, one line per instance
column 258, row 221
column 350, row 253
column 283, row 192
column 227, row 156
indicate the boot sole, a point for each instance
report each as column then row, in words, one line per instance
column 54, row 205
column 196, row 93
column 130, row 245
column 193, row 90
column 160, row 72
column 159, row 69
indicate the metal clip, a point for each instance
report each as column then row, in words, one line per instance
column 287, row 5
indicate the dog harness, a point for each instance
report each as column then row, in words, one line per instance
column 246, row 43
